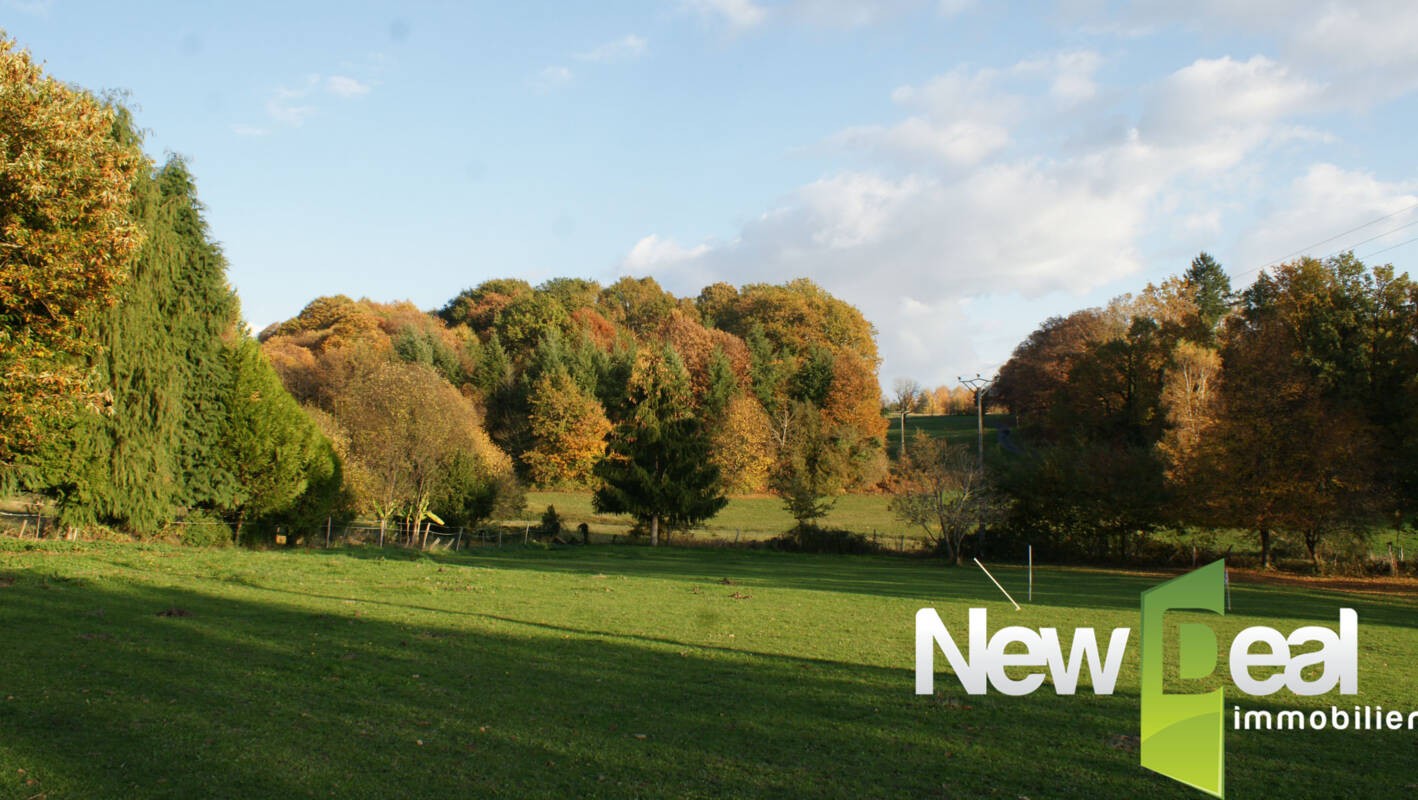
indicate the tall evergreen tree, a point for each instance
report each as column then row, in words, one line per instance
column 1210, row 289
column 660, row 473
column 658, row 466
column 269, row 449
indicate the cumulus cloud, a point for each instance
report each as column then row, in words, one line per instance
column 1328, row 198
column 1362, row 49
column 1002, row 196
column 653, row 252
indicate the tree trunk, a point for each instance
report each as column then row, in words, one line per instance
column 655, row 530
column 1312, row 542
column 1265, row 548
column 240, row 520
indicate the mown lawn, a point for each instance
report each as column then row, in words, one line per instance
column 154, row 671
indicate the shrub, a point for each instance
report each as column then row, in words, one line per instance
column 812, row 539
column 551, row 522
column 203, row 529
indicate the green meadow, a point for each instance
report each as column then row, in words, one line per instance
column 155, row 671
column 955, row 428
column 745, row 518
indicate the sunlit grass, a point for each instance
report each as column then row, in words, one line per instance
column 595, row 672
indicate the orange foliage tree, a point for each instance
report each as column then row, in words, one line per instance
column 66, row 236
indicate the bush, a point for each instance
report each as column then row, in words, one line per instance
column 551, row 522
column 203, row 529
column 812, row 539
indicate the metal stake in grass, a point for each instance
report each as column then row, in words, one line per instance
column 996, row 583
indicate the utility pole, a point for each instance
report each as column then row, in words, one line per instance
column 980, row 386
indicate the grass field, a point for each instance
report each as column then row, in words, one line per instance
column 153, row 671
column 955, row 428
column 744, row 518
column 763, row 517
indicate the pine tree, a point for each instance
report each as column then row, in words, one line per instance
column 658, row 466
column 660, row 473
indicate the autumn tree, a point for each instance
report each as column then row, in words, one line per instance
column 938, row 487
column 66, row 239
column 405, row 426
column 810, row 471
column 1189, row 397
column 1291, row 447
column 1030, row 384
column 742, row 446
column 569, row 430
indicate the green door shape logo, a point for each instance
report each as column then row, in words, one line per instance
column 1182, row 733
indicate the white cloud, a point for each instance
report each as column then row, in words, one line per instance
column 848, row 14
column 626, row 48
column 345, row 86
column 552, row 78
column 653, row 252
column 737, row 15
column 743, row 15
column 293, row 106
column 249, row 130
column 1330, row 199
column 1362, row 50
column 1003, row 197
column 286, row 105
column 1224, row 91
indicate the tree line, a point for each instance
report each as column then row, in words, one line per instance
column 134, row 395
column 661, row 405
column 136, row 398
column 1288, row 409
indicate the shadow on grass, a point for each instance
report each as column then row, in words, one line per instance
column 100, row 696
column 928, row 580
column 104, row 698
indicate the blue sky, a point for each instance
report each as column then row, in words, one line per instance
column 959, row 170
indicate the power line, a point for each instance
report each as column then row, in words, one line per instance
column 1355, row 229
column 1392, row 247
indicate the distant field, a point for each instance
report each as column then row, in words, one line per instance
column 955, row 428
column 754, row 517
column 141, row 671
column 763, row 517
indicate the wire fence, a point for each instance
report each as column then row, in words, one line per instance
column 37, row 523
